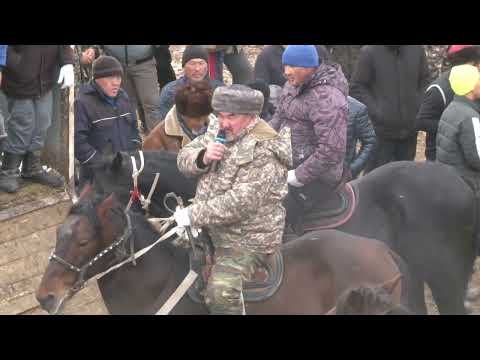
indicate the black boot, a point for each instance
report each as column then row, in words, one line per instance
column 9, row 172
column 32, row 170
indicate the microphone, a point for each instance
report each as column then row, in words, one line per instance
column 220, row 139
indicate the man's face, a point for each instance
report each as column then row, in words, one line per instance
column 476, row 91
column 296, row 76
column 196, row 69
column 110, row 85
column 233, row 124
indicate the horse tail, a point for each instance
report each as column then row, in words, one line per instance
column 406, row 278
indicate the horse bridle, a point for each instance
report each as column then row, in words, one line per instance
column 80, row 283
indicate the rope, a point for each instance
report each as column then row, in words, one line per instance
column 178, row 293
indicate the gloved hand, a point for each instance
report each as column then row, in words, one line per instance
column 292, row 179
column 182, row 217
column 66, row 76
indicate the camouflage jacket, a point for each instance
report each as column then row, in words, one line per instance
column 241, row 203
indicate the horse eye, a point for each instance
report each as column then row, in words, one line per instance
column 83, row 243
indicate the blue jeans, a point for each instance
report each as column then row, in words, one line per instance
column 28, row 122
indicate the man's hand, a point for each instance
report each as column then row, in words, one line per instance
column 292, row 179
column 182, row 217
column 88, row 56
column 214, row 152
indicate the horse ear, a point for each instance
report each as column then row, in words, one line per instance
column 390, row 285
column 117, row 162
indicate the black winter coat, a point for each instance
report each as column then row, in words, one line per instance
column 32, row 70
column 98, row 124
column 437, row 97
column 458, row 139
column 359, row 128
column 390, row 80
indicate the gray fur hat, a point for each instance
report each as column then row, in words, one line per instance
column 237, row 99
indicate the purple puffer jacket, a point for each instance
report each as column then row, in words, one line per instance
column 317, row 113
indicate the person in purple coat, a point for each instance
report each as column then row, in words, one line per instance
column 314, row 106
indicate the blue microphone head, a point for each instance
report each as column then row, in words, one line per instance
column 220, row 137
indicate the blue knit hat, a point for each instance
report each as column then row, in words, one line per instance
column 301, row 56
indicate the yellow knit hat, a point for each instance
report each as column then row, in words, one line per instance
column 463, row 78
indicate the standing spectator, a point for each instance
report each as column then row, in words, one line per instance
column 390, row 80
column 346, row 56
column 458, row 137
column 3, row 61
column 269, row 67
column 439, row 94
column 28, row 79
column 359, row 129
column 141, row 79
column 314, row 106
column 268, row 108
column 195, row 68
column 103, row 117
column 165, row 72
column 234, row 57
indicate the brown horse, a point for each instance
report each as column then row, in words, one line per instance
column 318, row 266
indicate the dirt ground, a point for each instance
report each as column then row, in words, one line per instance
column 252, row 51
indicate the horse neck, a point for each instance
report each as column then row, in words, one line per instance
column 173, row 260
column 145, row 234
column 170, row 180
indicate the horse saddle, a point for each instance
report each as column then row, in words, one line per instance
column 265, row 281
column 320, row 211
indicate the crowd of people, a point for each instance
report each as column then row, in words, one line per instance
column 297, row 119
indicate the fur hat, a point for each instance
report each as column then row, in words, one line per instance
column 106, row 66
column 237, row 99
column 194, row 99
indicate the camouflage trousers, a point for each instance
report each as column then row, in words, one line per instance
column 232, row 267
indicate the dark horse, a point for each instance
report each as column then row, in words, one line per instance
column 318, row 266
column 424, row 211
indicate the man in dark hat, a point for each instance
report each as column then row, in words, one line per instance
column 103, row 117
column 248, row 184
column 195, row 68
column 139, row 64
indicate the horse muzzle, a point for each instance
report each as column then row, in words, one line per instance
column 53, row 304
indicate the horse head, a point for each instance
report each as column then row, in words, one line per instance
column 371, row 300
column 89, row 230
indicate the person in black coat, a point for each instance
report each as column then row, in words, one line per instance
column 104, row 117
column 439, row 94
column 390, row 81
column 359, row 129
column 268, row 109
